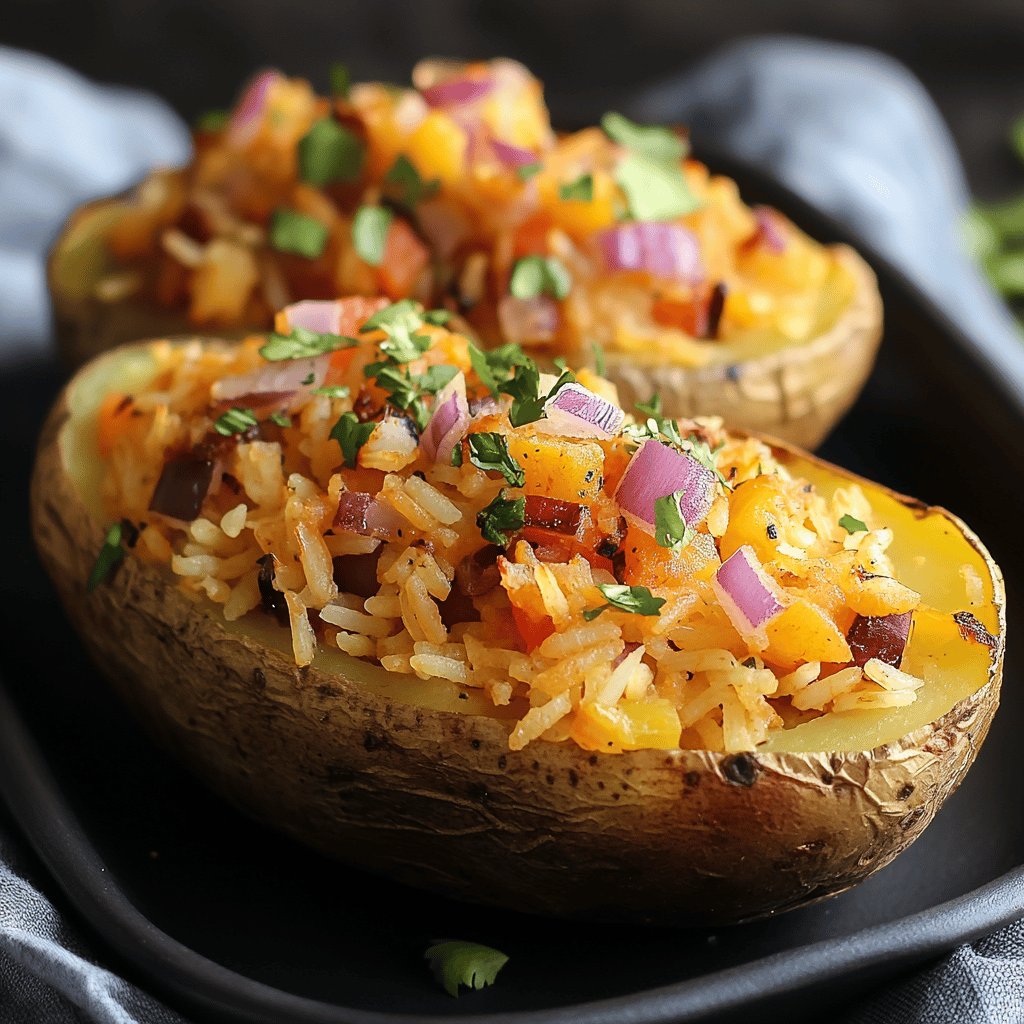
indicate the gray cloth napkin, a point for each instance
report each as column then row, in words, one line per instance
column 848, row 129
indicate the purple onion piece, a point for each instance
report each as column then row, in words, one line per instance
column 320, row 315
column 575, row 411
column 746, row 592
column 668, row 251
column 657, row 470
column 879, row 636
column 457, row 91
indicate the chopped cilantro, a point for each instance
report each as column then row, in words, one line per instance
column 308, row 379
column 435, row 378
column 212, row 121
column 539, row 275
column 526, row 171
column 489, row 451
column 652, row 407
column 340, row 80
column 670, row 529
column 297, row 233
column 527, row 402
column 493, row 367
column 409, row 188
column 654, row 141
column 456, row 459
column 235, row 421
column 598, row 358
column 333, row 391
column 280, row 419
column 654, row 189
column 302, row 344
column 351, row 435
column 437, row 317
column 406, row 391
column 370, row 228
column 500, row 515
column 851, row 524
column 638, row 600
column 464, row 963
column 404, row 313
column 580, row 190
column 329, row 152
column 111, row 553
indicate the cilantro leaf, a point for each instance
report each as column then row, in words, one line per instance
column 598, row 358
column 404, row 313
column 539, row 275
column 409, row 188
column 489, row 451
column 212, row 121
column 302, row 344
column 493, row 367
column 670, row 529
column 329, row 152
column 524, row 387
column 333, row 391
column 654, row 189
column 851, row 524
column 351, row 435
column 435, row 378
column 280, row 419
column 526, row 171
column 464, row 963
column 456, row 459
column 340, row 80
column 654, row 141
column 500, row 515
column 297, row 233
column 235, row 421
column 112, row 552
column 638, row 600
column 370, row 228
column 581, row 190
column 652, row 407
column 437, row 317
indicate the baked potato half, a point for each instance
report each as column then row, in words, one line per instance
column 457, row 192
column 415, row 779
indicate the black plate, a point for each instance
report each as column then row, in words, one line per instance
column 229, row 921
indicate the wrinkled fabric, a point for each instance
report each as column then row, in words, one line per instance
column 848, row 129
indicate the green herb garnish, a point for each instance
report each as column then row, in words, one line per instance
column 500, row 515
column 409, row 188
column 489, row 451
column 437, row 317
column 280, row 419
column 111, row 554
column 235, row 421
column 302, row 344
column 297, row 233
column 351, row 435
column 464, row 963
column 654, row 141
column 212, row 121
column 581, row 190
column 651, row 408
column 670, row 529
column 539, row 275
column 494, row 367
column 333, row 391
column 654, row 189
column 329, row 152
column 598, row 358
column 638, row 600
column 527, row 402
column 370, row 228
column 456, row 458
column 526, row 171
column 851, row 524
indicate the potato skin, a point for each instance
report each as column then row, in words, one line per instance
column 436, row 799
column 798, row 393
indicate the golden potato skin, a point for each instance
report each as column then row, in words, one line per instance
column 436, row 799
column 798, row 393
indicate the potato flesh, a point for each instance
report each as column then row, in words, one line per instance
column 951, row 667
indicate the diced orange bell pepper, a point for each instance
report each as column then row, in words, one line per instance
column 802, row 633
column 569, row 470
column 533, row 630
column 115, row 418
column 405, row 258
column 650, row 565
column 756, row 509
column 532, row 236
column 628, row 725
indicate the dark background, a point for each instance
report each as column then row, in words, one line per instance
column 969, row 53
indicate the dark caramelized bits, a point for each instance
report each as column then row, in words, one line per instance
column 551, row 514
column 357, row 574
column 973, row 630
column 271, row 599
column 478, row 573
column 879, row 636
column 182, row 487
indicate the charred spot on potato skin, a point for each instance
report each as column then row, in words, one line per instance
column 574, row 779
column 372, row 742
column 692, row 779
column 592, row 760
column 475, row 744
column 259, row 679
column 740, row 770
column 549, row 779
column 477, row 792
column 827, row 778
column 502, row 762
column 905, row 791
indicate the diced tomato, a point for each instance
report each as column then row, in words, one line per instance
column 405, row 258
column 689, row 316
column 533, row 630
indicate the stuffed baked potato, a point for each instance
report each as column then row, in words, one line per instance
column 595, row 694
column 610, row 244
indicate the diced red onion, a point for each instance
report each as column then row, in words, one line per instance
column 627, row 650
column 657, row 470
column 448, row 422
column 879, row 636
column 320, row 315
column 770, row 233
column 248, row 113
column 182, row 487
column 361, row 513
column 456, row 92
column 664, row 250
column 526, row 320
column 575, row 411
column 287, row 380
column 747, row 594
column 511, row 155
